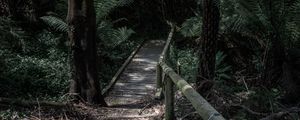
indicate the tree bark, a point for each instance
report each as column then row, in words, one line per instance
column 207, row 53
column 82, row 35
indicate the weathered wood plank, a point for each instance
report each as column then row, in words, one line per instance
column 122, row 68
column 204, row 109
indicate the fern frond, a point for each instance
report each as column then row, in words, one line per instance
column 11, row 34
column 55, row 23
column 104, row 7
column 222, row 70
column 191, row 27
column 293, row 11
column 113, row 37
column 123, row 34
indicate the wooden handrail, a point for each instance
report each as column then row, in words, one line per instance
column 170, row 78
column 203, row 108
column 162, row 57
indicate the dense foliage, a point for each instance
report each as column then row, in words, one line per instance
column 253, row 33
column 257, row 64
column 35, row 62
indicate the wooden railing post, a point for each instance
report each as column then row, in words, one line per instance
column 169, row 99
column 158, row 76
column 159, row 84
column 178, row 68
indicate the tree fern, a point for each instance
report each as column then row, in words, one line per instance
column 55, row 23
column 122, row 34
column 191, row 27
column 113, row 37
column 108, row 35
column 254, row 19
column 104, row 7
column 11, row 34
column 222, row 70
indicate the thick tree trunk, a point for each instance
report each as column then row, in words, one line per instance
column 82, row 35
column 207, row 54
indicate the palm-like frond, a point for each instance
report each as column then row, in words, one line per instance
column 104, row 7
column 251, row 18
column 258, row 18
column 55, row 23
column 113, row 37
column 222, row 70
column 191, row 27
column 11, row 34
column 122, row 34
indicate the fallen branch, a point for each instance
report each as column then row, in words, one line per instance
column 144, row 108
column 281, row 114
column 149, row 104
column 249, row 110
column 27, row 103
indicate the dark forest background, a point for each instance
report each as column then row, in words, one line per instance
column 257, row 61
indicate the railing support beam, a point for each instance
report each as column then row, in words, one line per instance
column 169, row 99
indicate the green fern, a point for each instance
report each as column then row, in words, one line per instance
column 113, row 37
column 255, row 17
column 109, row 36
column 104, row 7
column 122, row 34
column 55, row 23
column 11, row 34
column 222, row 70
column 191, row 27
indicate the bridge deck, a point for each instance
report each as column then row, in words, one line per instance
column 133, row 94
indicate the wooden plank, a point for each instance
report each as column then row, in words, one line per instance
column 122, row 68
column 204, row 109
column 169, row 100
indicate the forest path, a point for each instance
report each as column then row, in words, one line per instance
column 132, row 97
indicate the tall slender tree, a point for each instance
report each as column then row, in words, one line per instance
column 209, row 36
column 82, row 34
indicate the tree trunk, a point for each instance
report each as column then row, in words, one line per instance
column 82, row 35
column 207, row 53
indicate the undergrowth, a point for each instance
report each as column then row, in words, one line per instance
column 231, row 87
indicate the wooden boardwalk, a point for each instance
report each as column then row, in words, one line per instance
column 132, row 97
